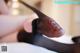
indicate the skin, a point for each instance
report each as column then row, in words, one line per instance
column 74, row 47
column 8, row 33
column 10, row 25
column 3, row 7
column 45, row 24
column 28, row 27
column 43, row 41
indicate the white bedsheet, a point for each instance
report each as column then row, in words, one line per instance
column 23, row 48
column 67, row 39
column 28, row 48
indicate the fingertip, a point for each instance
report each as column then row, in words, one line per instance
column 27, row 26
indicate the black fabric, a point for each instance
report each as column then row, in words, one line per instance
column 42, row 41
column 76, row 39
column 38, row 39
column 24, row 36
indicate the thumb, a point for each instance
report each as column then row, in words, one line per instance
column 28, row 26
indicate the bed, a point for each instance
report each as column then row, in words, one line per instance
column 30, row 48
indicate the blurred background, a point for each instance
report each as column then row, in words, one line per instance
column 66, row 14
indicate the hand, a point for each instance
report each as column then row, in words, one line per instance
column 3, row 7
column 28, row 23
